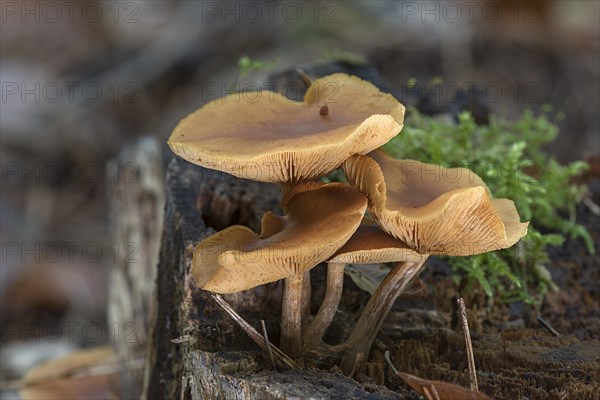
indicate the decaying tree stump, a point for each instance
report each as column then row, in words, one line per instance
column 199, row 202
column 136, row 193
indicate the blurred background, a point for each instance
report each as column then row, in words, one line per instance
column 81, row 79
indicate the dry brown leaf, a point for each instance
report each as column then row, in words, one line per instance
column 438, row 390
column 86, row 374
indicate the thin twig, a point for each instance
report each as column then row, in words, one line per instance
column 266, row 336
column 434, row 392
column 386, row 355
column 253, row 333
column 547, row 325
column 433, row 395
column 594, row 208
column 470, row 357
column 307, row 80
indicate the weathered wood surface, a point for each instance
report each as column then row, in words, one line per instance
column 199, row 202
column 136, row 198
column 241, row 376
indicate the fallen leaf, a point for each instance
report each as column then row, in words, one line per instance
column 85, row 374
column 438, row 390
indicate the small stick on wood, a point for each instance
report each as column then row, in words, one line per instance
column 470, row 357
column 305, row 78
column 266, row 336
column 253, row 333
column 386, row 355
column 547, row 325
column 594, row 208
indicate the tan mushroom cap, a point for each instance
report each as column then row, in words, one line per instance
column 371, row 245
column 266, row 137
column 318, row 222
column 435, row 210
column 289, row 190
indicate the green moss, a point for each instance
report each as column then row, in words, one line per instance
column 333, row 54
column 247, row 65
column 509, row 158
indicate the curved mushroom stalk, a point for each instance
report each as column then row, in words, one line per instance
column 368, row 245
column 306, row 297
column 358, row 345
column 313, row 335
column 291, row 316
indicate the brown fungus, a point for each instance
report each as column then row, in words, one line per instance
column 318, row 221
column 270, row 138
column 267, row 137
column 434, row 210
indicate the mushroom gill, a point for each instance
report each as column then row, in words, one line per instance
column 435, row 210
column 270, row 138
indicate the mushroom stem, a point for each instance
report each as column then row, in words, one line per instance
column 306, row 296
column 291, row 316
column 335, row 283
column 358, row 344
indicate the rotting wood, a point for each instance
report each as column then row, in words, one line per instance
column 198, row 203
column 136, row 197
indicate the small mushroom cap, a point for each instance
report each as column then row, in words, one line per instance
column 371, row 245
column 266, row 137
column 318, row 222
column 290, row 190
column 435, row 210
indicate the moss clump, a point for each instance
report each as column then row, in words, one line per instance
column 509, row 157
column 248, row 65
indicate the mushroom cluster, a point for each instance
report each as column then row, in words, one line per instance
column 414, row 209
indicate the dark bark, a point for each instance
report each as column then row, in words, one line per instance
column 199, row 202
column 136, row 197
